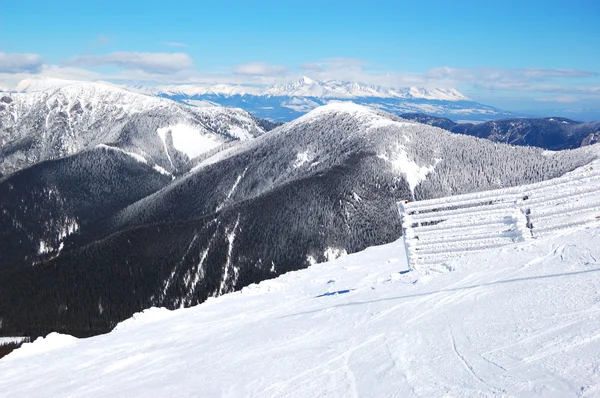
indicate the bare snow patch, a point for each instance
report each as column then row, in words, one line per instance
column 134, row 155
column 412, row 172
column 301, row 159
column 161, row 170
column 189, row 140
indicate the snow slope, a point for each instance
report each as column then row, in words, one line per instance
column 57, row 118
column 522, row 320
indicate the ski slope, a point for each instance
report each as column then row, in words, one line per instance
column 521, row 320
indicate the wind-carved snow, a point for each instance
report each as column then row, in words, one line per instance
column 136, row 156
column 189, row 140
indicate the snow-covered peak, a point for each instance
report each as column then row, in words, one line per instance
column 366, row 117
column 65, row 117
column 436, row 94
column 303, row 87
column 40, row 84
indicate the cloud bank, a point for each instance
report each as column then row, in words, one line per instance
column 17, row 63
column 162, row 63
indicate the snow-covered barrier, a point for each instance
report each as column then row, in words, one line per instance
column 437, row 230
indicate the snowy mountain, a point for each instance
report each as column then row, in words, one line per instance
column 554, row 133
column 305, row 192
column 518, row 321
column 307, row 87
column 60, row 118
column 43, row 205
column 287, row 101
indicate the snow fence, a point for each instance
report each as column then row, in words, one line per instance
column 438, row 230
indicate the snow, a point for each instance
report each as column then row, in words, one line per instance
column 408, row 168
column 522, row 320
column 12, row 340
column 301, row 159
column 438, row 229
column 307, row 87
column 161, row 170
column 189, row 140
column 136, row 156
column 518, row 321
column 217, row 157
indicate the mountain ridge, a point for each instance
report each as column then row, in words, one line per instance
column 307, row 191
column 61, row 120
column 553, row 133
column 286, row 101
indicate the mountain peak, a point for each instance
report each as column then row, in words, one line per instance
column 306, row 80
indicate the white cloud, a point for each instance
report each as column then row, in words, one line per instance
column 260, row 69
column 174, row 44
column 535, row 85
column 566, row 99
column 17, row 63
column 148, row 62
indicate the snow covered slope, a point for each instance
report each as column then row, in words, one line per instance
column 323, row 185
column 554, row 133
column 518, row 321
column 61, row 118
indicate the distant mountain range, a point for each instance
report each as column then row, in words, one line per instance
column 286, row 101
column 554, row 133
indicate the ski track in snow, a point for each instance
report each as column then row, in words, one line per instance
column 521, row 320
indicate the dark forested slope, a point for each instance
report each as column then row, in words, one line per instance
column 554, row 133
column 307, row 191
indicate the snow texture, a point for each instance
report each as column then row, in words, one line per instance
column 521, row 320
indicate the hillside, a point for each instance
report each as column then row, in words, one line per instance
column 306, row 192
column 45, row 204
column 554, row 133
column 59, row 120
column 522, row 320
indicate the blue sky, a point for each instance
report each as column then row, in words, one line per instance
column 513, row 54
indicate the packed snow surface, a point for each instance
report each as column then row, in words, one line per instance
column 522, row 320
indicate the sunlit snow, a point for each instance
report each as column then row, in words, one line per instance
column 522, row 320
column 189, row 140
